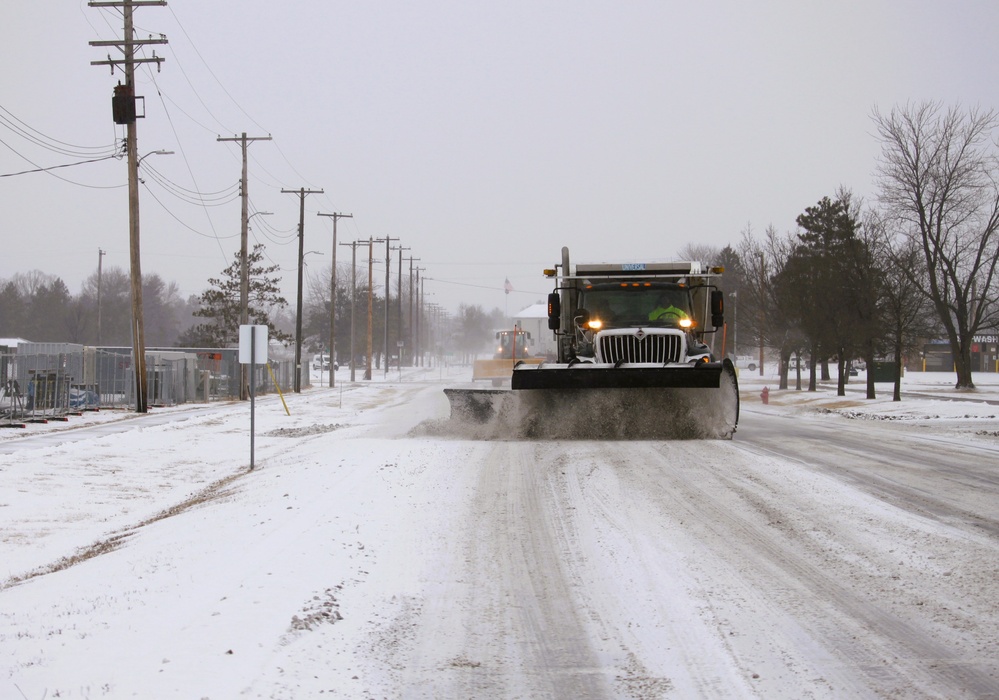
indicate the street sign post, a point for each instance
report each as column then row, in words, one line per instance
column 252, row 351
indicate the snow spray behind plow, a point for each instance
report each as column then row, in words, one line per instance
column 586, row 414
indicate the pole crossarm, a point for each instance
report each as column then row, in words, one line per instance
column 126, row 3
column 128, row 43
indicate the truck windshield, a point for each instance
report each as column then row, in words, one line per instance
column 620, row 305
column 506, row 347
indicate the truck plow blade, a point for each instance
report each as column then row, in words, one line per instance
column 499, row 370
column 476, row 405
column 601, row 403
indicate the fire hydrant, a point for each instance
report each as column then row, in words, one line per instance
column 765, row 394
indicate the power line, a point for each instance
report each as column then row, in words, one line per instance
column 212, row 73
column 54, row 167
column 207, row 199
column 39, row 168
column 213, row 235
column 29, row 133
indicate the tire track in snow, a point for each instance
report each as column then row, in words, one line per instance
column 513, row 601
column 756, row 519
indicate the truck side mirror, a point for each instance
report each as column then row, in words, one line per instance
column 717, row 308
column 554, row 311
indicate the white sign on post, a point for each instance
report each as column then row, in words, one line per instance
column 253, row 345
column 253, row 352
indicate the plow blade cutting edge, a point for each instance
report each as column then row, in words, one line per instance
column 605, row 402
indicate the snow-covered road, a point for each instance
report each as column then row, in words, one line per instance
column 376, row 553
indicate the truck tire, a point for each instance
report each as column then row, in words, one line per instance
column 751, row 367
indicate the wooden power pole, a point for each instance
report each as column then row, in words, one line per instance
column 410, row 337
column 123, row 109
column 353, row 302
column 244, row 274
column 388, row 267
column 335, row 216
column 301, row 192
column 371, row 304
column 398, row 298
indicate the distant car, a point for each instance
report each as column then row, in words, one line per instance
column 746, row 362
column 321, row 362
column 794, row 363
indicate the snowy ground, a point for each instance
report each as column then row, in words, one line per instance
column 372, row 553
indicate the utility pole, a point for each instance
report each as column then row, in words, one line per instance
column 421, row 319
column 735, row 323
column 353, row 301
column 124, row 112
column 418, row 323
column 399, row 302
column 301, row 192
column 244, row 274
column 335, row 216
column 100, row 259
column 388, row 267
column 371, row 304
column 763, row 307
column 409, row 329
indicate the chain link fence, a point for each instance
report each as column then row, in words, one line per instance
column 46, row 381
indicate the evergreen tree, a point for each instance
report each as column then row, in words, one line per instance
column 220, row 304
column 12, row 311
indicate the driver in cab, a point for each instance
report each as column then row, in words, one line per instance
column 668, row 313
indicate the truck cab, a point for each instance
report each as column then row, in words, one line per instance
column 513, row 344
column 636, row 313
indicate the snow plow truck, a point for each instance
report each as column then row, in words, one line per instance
column 512, row 348
column 633, row 360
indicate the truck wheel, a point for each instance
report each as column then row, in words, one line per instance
column 752, row 367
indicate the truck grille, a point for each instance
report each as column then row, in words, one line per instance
column 646, row 347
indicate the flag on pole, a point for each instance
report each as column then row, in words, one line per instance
column 507, row 287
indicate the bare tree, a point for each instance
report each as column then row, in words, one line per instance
column 763, row 314
column 700, row 252
column 907, row 311
column 474, row 332
column 938, row 184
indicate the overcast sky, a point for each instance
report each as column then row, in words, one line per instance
column 483, row 135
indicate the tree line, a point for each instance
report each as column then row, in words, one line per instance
column 871, row 280
column 39, row 307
